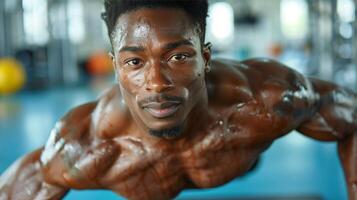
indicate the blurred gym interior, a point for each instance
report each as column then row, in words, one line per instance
column 54, row 56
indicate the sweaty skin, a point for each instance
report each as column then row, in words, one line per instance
column 229, row 113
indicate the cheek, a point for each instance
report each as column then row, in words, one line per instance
column 189, row 78
column 131, row 81
column 191, row 84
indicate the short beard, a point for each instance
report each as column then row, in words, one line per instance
column 167, row 133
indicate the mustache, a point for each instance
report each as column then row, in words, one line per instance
column 157, row 98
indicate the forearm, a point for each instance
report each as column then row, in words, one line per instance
column 31, row 191
column 339, row 112
column 348, row 155
column 335, row 120
column 24, row 181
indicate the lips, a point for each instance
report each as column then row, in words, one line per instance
column 162, row 109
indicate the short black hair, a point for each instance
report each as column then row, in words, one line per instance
column 196, row 10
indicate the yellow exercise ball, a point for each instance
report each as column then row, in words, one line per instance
column 12, row 76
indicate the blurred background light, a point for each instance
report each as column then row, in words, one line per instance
column 76, row 22
column 35, row 21
column 345, row 50
column 294, row 19
column 346, row 10
column 221, row 23
column 346, row 30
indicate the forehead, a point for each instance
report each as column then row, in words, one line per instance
column 153, row 24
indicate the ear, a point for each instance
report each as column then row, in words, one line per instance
column 207, row 56
column 112, row 57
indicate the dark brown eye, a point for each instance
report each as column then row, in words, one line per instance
column 133, row 62
column 178, row 57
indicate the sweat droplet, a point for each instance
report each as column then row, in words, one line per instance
column 286, row 99
column 240, row 105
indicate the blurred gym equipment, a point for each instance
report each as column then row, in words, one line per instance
column 333, row 37
column 99, row 64
column 36, row 66
column 12, row 76
column 61, row 51
column 36, row 32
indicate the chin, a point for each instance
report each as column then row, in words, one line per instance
column 161, row 124
column 168, row 128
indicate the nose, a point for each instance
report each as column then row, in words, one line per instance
column 157, row 80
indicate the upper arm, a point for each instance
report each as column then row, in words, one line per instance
column 335, row 116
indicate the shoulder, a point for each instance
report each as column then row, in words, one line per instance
column 103, row 118
column 264, row 70
column 275, row 82
column 226, row 83
column 111, row 116
column 70, row 127
column 260, row 68
column 261, row 75
column 252, row 78
column 264, row 63
column 253, row 71
column 273, row 87
column 74, row 155
column 74, row 123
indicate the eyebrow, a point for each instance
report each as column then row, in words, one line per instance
column 168, row 46
column 132, row 48
column 174, row 45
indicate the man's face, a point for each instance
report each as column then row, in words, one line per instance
column 160, row 66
